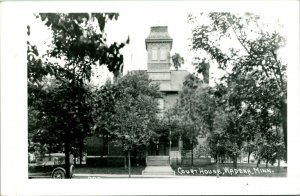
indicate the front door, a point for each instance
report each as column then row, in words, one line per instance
column 158, row 149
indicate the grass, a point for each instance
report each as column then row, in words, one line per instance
column 137, row 170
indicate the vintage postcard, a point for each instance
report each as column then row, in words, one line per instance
column 161, row 97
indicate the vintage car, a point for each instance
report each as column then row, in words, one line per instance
column 50, row 165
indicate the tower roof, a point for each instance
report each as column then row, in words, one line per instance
column 159, row 34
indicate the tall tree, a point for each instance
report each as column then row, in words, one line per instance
column 135, row 114
column 79, row 43
column 253, row 54
column 104, row 99
column 194, row 110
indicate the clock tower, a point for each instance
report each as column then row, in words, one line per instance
column 158, row 46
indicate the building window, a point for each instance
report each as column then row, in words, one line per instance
column 163, row 54
column 154, row 54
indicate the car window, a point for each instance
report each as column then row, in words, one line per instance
column 56, row 161
column 49, row 163
column 44, row 160
column 40, row 160
column 61, row 160
column 48, row 158
column 53, row 160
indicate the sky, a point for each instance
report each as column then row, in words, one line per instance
column 136, row 25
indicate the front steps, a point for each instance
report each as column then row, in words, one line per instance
column 158, row 165
column 159, row 171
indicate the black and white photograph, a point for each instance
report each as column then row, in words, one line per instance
column 157, row 97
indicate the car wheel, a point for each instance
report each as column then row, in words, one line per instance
column 59, row 174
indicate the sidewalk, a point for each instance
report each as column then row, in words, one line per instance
column 91, row 176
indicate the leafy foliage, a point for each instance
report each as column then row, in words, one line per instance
column 136, row 110
column 253, row 92
column 177, row 60
column 79, row 39
column 202, row 67
column 57, row 81
column 193, row 113
column 127, row 111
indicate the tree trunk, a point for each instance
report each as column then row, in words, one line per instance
column 170, row 148
column 129, row 165
column 258, row 162
column 217, row 166
column 134, row 162
column 283, row 111
column 74, row 157
column 80, row 151
column 146, row 154
column 267, row 161
column 103, row 146
column 278, row 165
column 249, row 153
column 67, row 153
column 192, row 153
column 235, row 162
column 125, row 161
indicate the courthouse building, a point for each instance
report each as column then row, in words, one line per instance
column 158, row 45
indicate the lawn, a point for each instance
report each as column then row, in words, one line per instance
column 137, row 170
column 242, row 170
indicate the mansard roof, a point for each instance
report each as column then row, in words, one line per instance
column 177, row 79
column 159, row 34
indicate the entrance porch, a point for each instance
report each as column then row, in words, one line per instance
column 160, row 156
column 164, row 152
column 158, row 165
